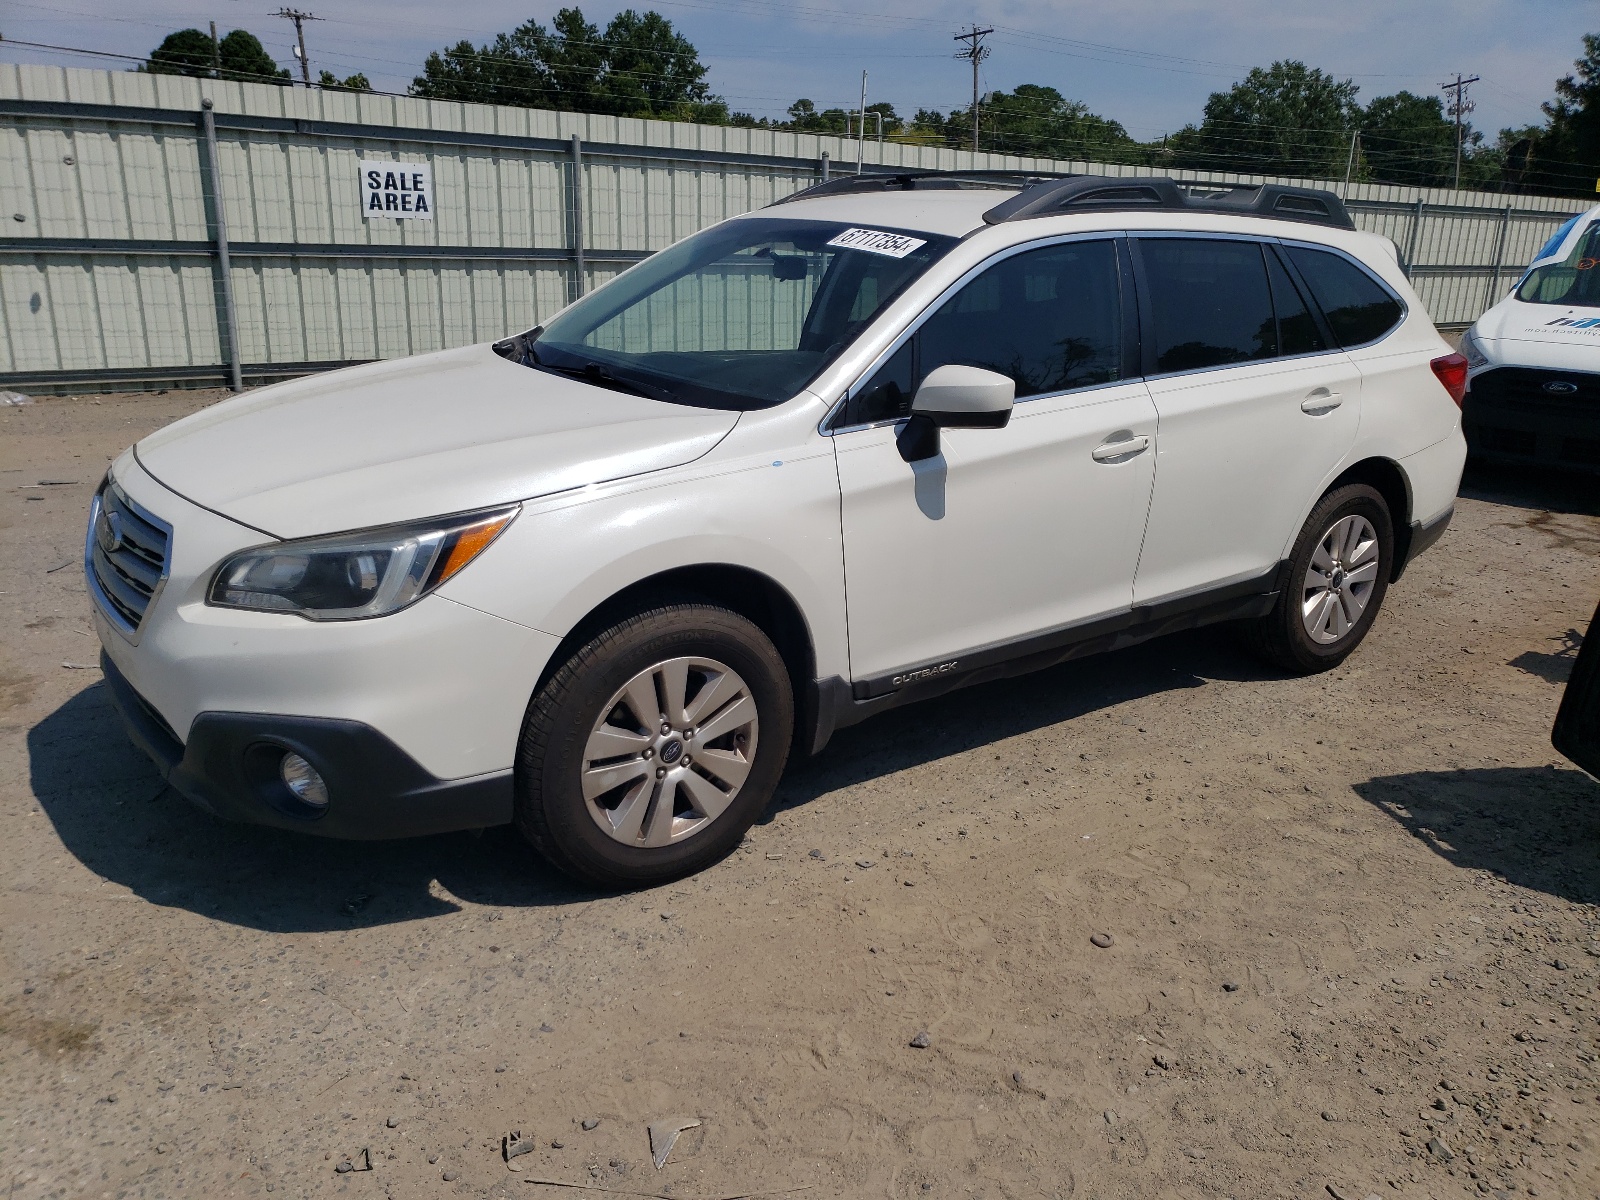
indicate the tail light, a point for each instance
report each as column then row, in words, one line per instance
column 1452, row 372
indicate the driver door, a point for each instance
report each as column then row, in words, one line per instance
column 1010, row 532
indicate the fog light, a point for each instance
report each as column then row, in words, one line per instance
column 301, row 778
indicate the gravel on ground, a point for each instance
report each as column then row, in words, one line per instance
column 1161, row 923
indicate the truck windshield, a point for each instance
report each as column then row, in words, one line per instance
column 1574, row 281
column 740, row 316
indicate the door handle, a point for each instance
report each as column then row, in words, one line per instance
column 1321, row 402
column 1120, row 450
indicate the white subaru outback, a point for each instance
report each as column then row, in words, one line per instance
column 894, row 435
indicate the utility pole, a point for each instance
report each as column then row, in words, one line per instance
column 299, row 18
column 1459, row 108
column 1349, row 163
column 861, row 133
column 976, row 52
column 216, row 52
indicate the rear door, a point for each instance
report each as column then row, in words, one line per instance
column 1255, row 408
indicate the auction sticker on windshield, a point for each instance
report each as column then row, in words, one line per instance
column 875, row 241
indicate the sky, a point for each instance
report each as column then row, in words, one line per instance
column 1149, row 64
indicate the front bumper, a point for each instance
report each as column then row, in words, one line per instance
column 447, row 684
column 230, row 767
column 1528, row 415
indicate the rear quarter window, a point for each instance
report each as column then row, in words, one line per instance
column 1359, row 308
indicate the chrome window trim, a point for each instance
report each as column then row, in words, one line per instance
column 922, row 317
column 129, row 633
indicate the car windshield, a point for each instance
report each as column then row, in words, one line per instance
column 1574, row 281
column 740, row 316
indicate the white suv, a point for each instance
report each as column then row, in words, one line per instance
column 889, row 437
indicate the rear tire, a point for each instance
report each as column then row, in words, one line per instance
column 650, row 751
column 1338, row 575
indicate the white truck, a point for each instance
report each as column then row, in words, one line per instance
column 1533, row 390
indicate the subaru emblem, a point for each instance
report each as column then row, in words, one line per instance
column 1560, row 387
column 108, row 531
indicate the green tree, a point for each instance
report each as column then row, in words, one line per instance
column 1567, row 153
column 649, row 67
column 354, row 83
column 638, row 66
column 804, row 118
column 1407, row 139
column 928, row 127
column 192, row 52
column 1039, row 122
column 1286, row 119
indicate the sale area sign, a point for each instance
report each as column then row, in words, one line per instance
column 396, row 189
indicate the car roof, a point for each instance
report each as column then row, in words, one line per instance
column 952, row 213
column 958, row 203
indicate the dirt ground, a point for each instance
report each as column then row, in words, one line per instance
column 1356, row 936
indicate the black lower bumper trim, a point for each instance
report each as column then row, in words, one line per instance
column 1423, row 536
column 230, row 767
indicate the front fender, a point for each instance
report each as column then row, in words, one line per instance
column 566, row 555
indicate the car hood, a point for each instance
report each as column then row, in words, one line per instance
column 1547, row 324
column 416, row 437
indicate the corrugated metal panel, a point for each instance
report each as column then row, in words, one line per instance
column 644, row 184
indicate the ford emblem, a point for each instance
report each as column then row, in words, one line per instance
column 1560, row 387
column 108, row 531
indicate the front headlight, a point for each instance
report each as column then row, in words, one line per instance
column 1474, row 352
column 349, row 576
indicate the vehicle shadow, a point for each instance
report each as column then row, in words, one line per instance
column 115, row 815
column 1548, row 490
column 1536, row 827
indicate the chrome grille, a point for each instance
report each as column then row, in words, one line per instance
column 125, row 556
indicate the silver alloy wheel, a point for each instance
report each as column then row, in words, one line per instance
column 670, row 751
column 1340, row 579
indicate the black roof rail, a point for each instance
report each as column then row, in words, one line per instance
column 1104, row 193
column 920, row 181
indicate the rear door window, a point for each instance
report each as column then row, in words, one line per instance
column 1209, row 303
column 1359, row 308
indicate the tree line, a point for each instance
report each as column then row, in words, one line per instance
column 1285, row 119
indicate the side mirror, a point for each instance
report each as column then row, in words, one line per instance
column 955, row 397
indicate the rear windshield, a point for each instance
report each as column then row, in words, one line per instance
column 743, row 315
column 1573, row 281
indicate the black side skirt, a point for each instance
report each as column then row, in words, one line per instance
column 839, row 704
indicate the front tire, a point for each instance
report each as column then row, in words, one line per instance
column 648, row 754
column 1338, row 575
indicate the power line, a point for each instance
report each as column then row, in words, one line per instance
column 976, row 52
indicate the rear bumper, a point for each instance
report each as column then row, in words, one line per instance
column 229, row 767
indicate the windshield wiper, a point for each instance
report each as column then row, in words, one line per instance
column 602, row 376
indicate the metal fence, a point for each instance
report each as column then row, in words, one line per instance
column 164, row 230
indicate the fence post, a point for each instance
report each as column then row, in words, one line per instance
column 580, row 269
column 1416, row 232
column 1499, row 259
column 824, row 166
column 219, row 223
